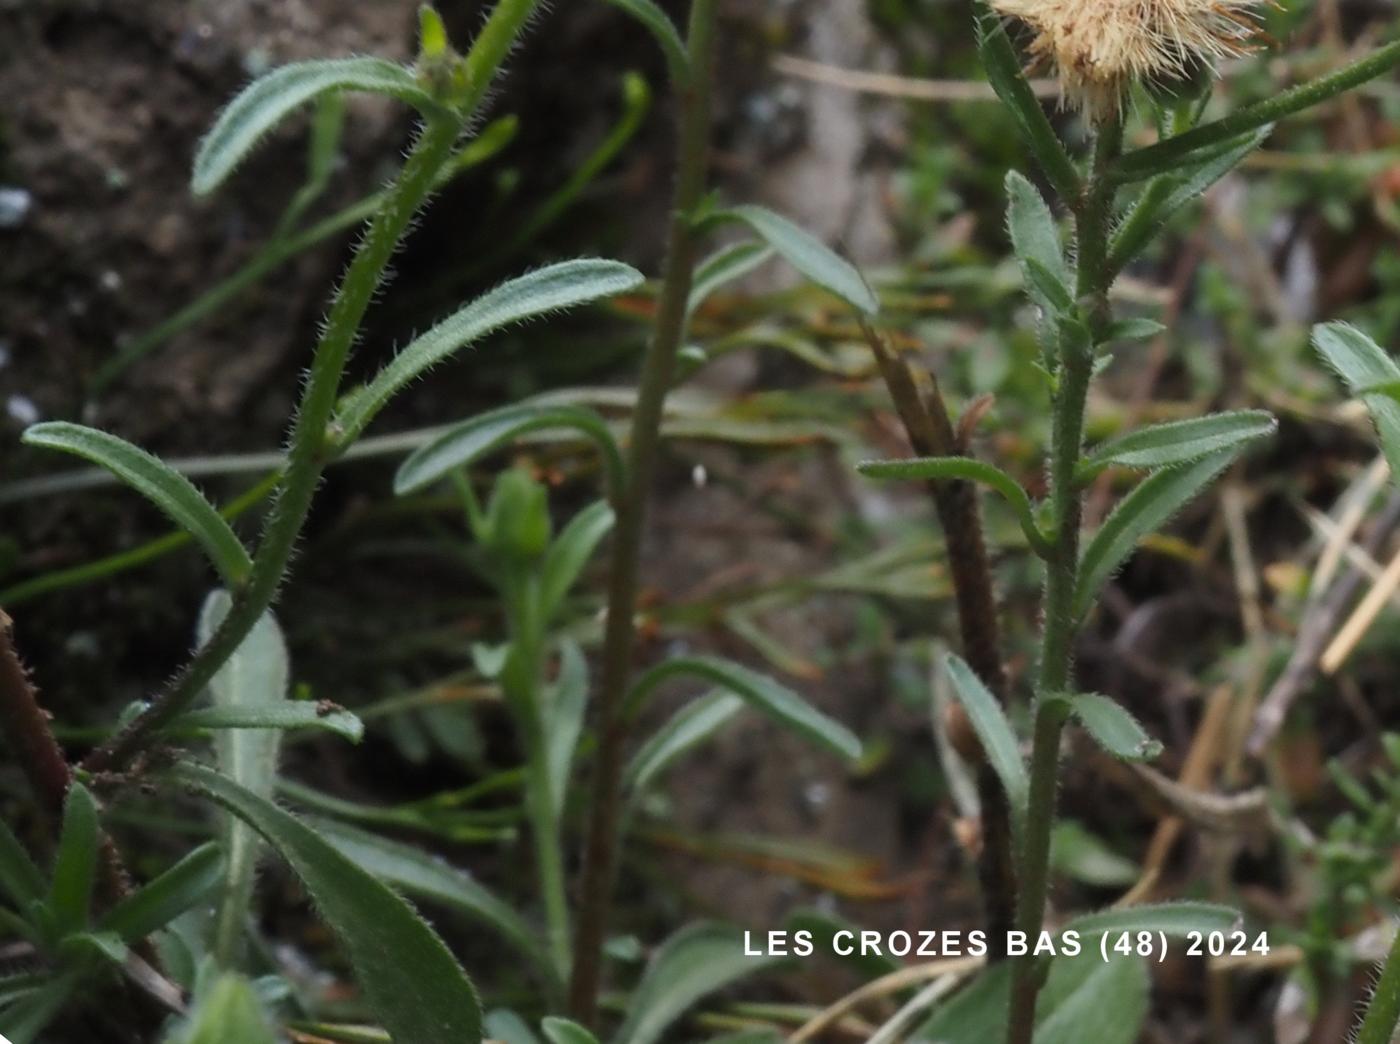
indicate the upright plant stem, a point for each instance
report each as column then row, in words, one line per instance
column 307, row 456
column 1092, row 214
column 658, row 369
column 312, row 443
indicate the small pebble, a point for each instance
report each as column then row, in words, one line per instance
column 22, row 410
column 15, row 204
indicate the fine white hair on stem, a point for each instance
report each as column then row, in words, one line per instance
column 1098, row 48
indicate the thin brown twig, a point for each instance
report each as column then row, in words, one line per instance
column 932, row 433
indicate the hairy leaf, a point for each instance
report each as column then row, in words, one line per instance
column 992, row 728
column 433, row 880
column 411, row 981
column 464, row 443
column 1036, row 239
column 1155, row 500
column 964, row 469
column 1113, row 728
column 570, row 552
column 553, row 288
column 1363, row 366
column 159, row 483
column 690, row 726
column 723, row 266
column 809, row 255
column 1179, row 442
column 75, row 865
column 267, row 100
column 698, row 960
column 190, row 881
column 768, row 696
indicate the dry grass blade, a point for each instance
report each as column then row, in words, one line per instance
column 883, row 987
column 891, row 86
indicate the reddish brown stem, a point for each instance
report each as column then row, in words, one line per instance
column 931, row 432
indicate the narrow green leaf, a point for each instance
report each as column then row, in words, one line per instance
column 155, row 480
column 1088, row 999
column 19, row 877
column 570, row 553
column 252, row 682
column 1179, row 442
column 411, row 981
column 553, row 288
column 1176, row 920
column 509, row 1028
column 1003, row 70
column 1113, row 728
column 1082, row 856
column 1363, row 366
column 191, row 881
column 287, row 714
column 690, row 726
column 659, row 24
column 465, row 443
column 565, row 702
column 1155, row 500
column 724, row 266
column 1135, row 329
column 808, row 254
column 964, row 469
column 267, row 100
column 1036, row 239
column 992, row 728
column 75, row 865
column 562, row 1031
column 431, row 879
column 768, row 696
column 1158, row 203
column 228, row 1012
column 698, row 960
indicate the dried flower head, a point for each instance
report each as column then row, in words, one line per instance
column 1099, row 47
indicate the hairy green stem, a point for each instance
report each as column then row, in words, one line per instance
column 312, row 444
column 1093, row 212
column 307, row 456
column 658, row 370
column 1167, row 155
column 1383, row 1013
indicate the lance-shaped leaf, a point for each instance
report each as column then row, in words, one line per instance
column 228, row 1011
column 267, row 100
column 989, row 722
column 698, row 960
column 562, row 1031
column 964, row 469
column 75, row 864
column 690, row 726
column 1142, row 512
column 464, row 443
column 659, row 24
column 190, row 881
column 159, row 483
column 285, row 714
column 1036, row 240
column 1003, row 70
column 1167, row 195
column 1367, row 372
column 566, row 699
column 431, row 879
column 570, row 552
column 410, row 980
column 1176, row 920
column 723, row 266
column 1088, row 999
column 1112, row 727
column 766, row 695
column 1179, row 442
column 808, row 254
column 549, row 289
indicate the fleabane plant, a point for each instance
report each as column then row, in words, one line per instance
column 411, row 982
column 1116, row 201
